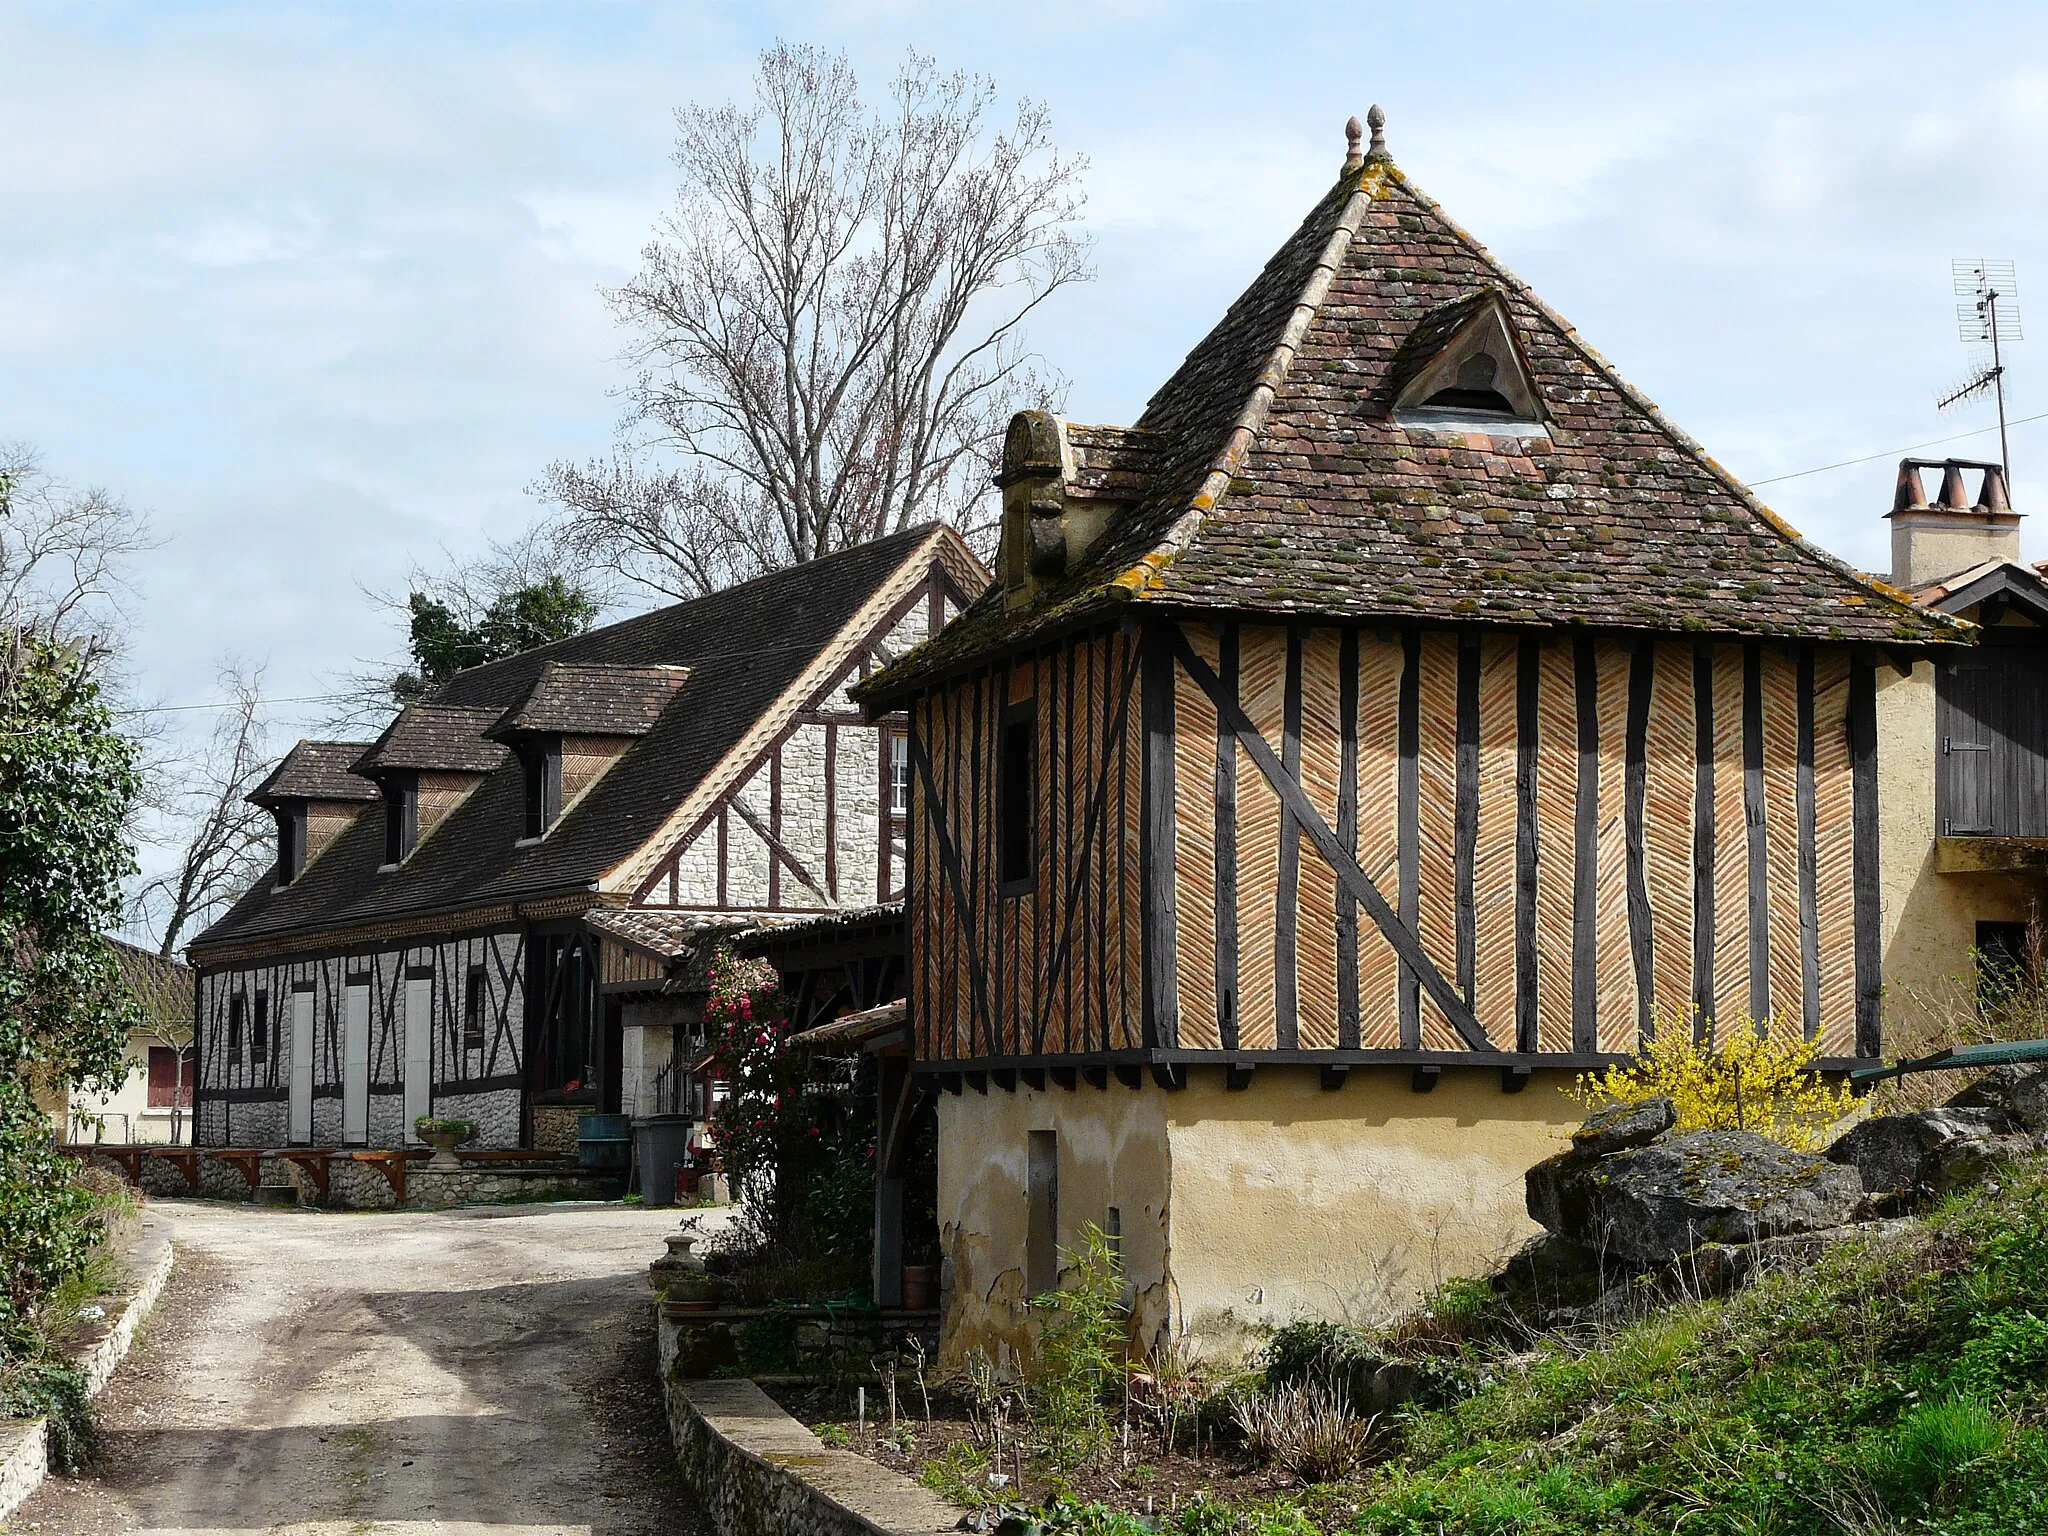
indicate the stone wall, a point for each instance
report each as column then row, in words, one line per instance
column 820, row 1343
column 760, row 1473
column 554, row 1126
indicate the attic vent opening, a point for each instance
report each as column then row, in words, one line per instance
column 1474, row 390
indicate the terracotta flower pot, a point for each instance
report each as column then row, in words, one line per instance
column 920, row 1286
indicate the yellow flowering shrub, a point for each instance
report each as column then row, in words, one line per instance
column 1757, row 1079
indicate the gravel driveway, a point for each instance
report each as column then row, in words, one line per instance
column 482, row 1372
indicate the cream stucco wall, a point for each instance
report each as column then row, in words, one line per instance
column 1112, row 1152
column 1291, row 1200
column 1243, row 1210
column 1928, row 920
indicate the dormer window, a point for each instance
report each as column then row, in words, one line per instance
column 291, row 842
column 1461, row 369
column 541, row 760
column 401, row 816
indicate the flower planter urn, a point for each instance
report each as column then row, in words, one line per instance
column 444, row 1136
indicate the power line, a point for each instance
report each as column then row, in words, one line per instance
column 1889, row 452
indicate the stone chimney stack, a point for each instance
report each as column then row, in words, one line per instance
column 1954, row 534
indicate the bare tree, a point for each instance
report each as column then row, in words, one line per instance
column 827, row 327
column 226, row 844
column 65, row 553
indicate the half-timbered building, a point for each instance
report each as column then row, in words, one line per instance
column 501, row 908
column 1402, row 717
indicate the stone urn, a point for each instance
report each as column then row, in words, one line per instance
column 679, row 1274
column 444, row 1136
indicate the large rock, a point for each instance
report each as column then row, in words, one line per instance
column 1935, row 1149
column 1650, row 1204
column 1621, row 1126
column 2021, row 1092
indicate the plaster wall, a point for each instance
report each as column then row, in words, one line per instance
column 1112, row 1152
column 1292, row 1200
column 1244, row 1210
column 1928, row 920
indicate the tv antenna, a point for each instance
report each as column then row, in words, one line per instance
column 1991, row 315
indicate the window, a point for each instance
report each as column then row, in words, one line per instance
column 401, row 816
column 291, row 843
column 899, row 774
column 475, row 994
column 1991, row 727
column 2005, row 963
column 1017, row 798
column 542, row 762
column 170, row 1077
column 1042, row 1212
column 236, row 1005
column 259, row 1031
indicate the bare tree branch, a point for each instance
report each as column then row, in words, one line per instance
column 827, row 327
column 66, row 554
column 227, row 844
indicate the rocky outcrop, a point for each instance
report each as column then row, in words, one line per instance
column 1619, row 1127
column 1648, row 1204
column 1935, row 1150
column 2021, row 1093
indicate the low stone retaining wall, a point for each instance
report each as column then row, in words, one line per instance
column 822, row 1343
column 352, row 1183
column 24, row 1443
column 761, row 1473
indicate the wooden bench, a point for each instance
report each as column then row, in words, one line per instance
column 184, row 1159
column 248, row 1159
column 313, row 1160
column 391, row 1161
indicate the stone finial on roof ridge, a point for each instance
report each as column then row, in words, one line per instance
column 1376, row 120
column 1353, row 156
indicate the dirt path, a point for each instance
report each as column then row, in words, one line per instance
column 484, row 1372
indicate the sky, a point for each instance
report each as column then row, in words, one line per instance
column 320, row 287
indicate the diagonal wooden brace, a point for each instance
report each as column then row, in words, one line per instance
column 1354, row 879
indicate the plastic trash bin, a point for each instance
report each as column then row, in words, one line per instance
column 663, row 1146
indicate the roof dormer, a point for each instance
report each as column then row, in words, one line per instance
column 426, row 763
column 1462, row 368
column 575, row 721
column 314, row 797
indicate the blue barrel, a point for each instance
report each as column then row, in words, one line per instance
column 604, row 1141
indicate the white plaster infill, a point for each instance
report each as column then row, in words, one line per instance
column 761, row 1473
column 24, row 1443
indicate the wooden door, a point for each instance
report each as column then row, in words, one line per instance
column 419, row 1049
column 1968, row 731
column 355, row 1064
column 300, row 1131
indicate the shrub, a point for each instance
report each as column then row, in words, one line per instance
column 1335, row 1353
column 1759, row 1078
column 2010, row 1351
column 40, row 1389
column 1308, row 1431
column 1078, row 1353
column 958, row 1473
column 833, row 1435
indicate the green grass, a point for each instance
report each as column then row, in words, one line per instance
column 1901, row 1385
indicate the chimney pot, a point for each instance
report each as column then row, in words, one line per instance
column 1910, row 493
column 1993, row 498
column 1953, row 496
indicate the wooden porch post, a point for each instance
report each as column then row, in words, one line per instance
column 896, row 1098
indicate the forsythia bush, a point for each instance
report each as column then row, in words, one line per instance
column 1757, row 1079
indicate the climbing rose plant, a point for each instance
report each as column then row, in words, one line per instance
column 1757, row 1079
column 67, row 780
column 745, row 1024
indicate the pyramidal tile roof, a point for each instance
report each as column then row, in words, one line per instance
column 1280, row 480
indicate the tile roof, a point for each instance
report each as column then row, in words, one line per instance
column 850, row 1031
column 742, row 646
column 316, row 770
column 1278, row 481
column 592, row 699
column 668, row 934
column 444, row 738
column 162, row 986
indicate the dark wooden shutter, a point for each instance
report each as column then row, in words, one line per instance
column 1967, row 728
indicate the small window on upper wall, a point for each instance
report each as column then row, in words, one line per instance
column 475, row 996
column 291, row 843
column 236, row 1007
column 259, row 1029
column 1017, row 798
column 899, row 774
